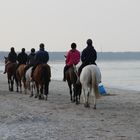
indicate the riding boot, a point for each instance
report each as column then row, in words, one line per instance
column 64, row 74
column 64, row 77
column 4, row 71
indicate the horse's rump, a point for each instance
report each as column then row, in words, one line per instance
column 90, row 77
column 41, row 76
column 20, row 72
column 71, row 75
column 42, row 73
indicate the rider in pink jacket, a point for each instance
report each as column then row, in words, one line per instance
column 72, row 57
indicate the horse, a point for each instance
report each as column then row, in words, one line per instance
column 11, row 75
column 90, row 77
column 41, row 76
column 72, row 77
column 20, row 73
column 30, row 84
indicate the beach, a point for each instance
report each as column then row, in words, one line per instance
column 25, row 118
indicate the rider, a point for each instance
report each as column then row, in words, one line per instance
column 12, row 57
column 89, row 56
column 31, row 61
column 72, row 57
column 41, row 57
column 22, row 57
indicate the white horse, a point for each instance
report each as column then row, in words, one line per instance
column 90, row 77
column 30, row 84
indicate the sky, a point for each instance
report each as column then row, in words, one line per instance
column 113, row 25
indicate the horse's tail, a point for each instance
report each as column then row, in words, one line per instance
column 96, row 90
column 46, row 73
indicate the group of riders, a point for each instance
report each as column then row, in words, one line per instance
column 31, row 60
column 88, row 56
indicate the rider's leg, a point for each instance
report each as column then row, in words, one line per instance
column 64, row 72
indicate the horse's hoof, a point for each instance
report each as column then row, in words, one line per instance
column 94, row 107
column 31, row 95
column 77, row 103
column 39, row 97
column 45, row 97
column 35, row 96
column 86, row 105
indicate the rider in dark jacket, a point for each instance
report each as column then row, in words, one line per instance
column 30, row 61
column 31, row 58
column 41, row 57
column 12, row 57
column 22, row 57
column 89, row 56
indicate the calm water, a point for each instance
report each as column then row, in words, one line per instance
column 117, row 74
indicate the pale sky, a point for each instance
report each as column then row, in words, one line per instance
column 114, row 25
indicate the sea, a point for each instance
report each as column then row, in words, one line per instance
column 117, row 72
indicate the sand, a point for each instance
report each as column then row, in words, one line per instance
column 117, row 116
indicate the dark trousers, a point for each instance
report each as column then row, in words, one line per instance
column 64, row 71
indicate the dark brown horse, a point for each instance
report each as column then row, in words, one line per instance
column 11, row 74
column 71, row 77
column 41, row 76
column 20, row 72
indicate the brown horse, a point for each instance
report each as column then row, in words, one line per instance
column 41, row 76
column 11, row 75
column 71, row 77
column 20, row 72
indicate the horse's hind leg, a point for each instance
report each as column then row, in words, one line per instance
column 40, row 93
column 9, row 82
column 75, row 96
column 16, row 81
column 70, row 89
column 86, row 97
column 46, row 92
column 37, row 90
column 12, row 85
column 94, row 92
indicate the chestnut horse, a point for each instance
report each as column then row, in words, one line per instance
column 11, row 74
column 72, row 77
column 41, row 76
column 20, row 72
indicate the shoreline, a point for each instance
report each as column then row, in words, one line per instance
column 22, row 117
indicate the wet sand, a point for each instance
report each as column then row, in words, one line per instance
column 117, row 116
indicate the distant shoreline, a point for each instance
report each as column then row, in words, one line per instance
column 101, row 55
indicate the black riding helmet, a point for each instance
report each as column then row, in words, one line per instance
column 32, row 50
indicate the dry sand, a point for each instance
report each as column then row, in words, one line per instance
column 117, row 117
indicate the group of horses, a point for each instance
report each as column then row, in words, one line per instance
column 38, row 84
column 39, row 81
